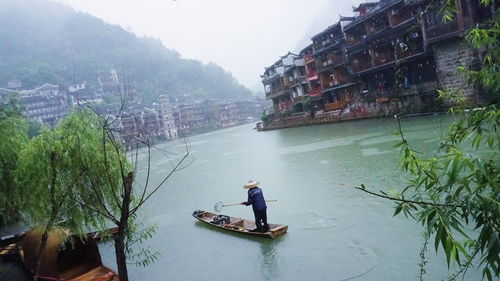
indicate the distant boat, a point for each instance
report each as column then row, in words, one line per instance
column 238, row 225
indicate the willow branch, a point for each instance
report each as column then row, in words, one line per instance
column 464, row 267
column 112, row 218
column 422, row 203
column 100, row 200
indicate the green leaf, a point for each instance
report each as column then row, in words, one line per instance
column 399, row 144
column 398, row 209
column 437, row 239
column 448, row 247
column 487, row 273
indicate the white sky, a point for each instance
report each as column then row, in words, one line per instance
column 243, row 36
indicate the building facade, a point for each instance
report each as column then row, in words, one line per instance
column 45, row 104
column 389, row 57
column 167, row 118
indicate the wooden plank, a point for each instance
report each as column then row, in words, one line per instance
column 277, row 228
column 236, row 222
column 7, row 249
column 100, row 273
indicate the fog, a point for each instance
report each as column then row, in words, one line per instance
column 241, row 36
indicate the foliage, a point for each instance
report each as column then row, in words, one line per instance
column 46, row 47
column 34, row 128
column 13, row 138
column 265, row 117
column 458, row 188
column 484, row 38
column 108, row 188
column 136, row 236
column 49, row 174
column 460, row 184
column 307, row 102
column 455, row 193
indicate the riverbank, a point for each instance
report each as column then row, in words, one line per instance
column 326, row 119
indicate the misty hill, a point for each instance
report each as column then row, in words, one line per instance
column 41, row 40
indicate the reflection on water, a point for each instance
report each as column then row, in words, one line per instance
column 269, row 259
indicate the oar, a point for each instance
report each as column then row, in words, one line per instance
column 219, row 205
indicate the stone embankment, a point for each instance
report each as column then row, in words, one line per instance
column 354, row 111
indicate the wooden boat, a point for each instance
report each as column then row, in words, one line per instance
column 238, row 225
column 65, row 257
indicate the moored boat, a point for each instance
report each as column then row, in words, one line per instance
column 65, row 257
column 238, row 224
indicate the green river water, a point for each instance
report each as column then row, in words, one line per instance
column 335, row 232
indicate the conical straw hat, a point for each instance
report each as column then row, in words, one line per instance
column 251, row 184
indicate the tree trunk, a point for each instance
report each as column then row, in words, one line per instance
column 43, row 243
column 53, row 215
column 120, row 247
column 121, row 259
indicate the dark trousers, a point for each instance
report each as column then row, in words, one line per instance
column 261, row 220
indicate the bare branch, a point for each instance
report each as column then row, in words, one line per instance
column 175, row 169
column 106, row 165
column 145, row 188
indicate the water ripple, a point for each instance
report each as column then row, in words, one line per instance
column 317, row 222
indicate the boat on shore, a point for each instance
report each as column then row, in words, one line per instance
column 238, row 225
column 65, row 257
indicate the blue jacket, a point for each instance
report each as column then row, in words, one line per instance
column 256, row 199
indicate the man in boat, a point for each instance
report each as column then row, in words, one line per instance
column 256, row 199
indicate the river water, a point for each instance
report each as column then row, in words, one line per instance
column 335, row 232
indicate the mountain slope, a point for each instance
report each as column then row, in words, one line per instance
column 41, row 40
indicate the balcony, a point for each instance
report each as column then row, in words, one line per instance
column 308, row 59
column 336, row 105
column 325, row 65
column 315, row 91
column 376, row 25
column 399, row 15
column 340, row 78
column 382, row 56
column 442, row 31
column 312, row 75
column 355, row 35
column 414, row 89
column 339, row 60
column 322, row 43
column 278, row 93
column 331, row 44
column 270, row 78
column 405, row 51
column 353, row 40
column 327, row 80
column 298, row 80
column 361, row 62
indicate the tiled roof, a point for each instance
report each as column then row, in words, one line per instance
column 48, row 86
